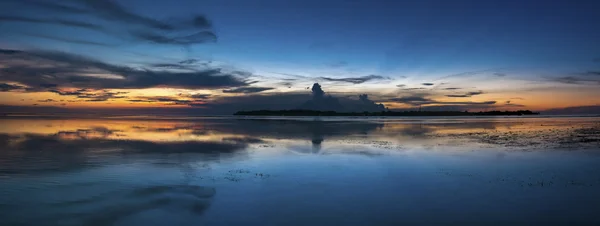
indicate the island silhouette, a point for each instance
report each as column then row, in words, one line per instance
column 326, row 105
column 301, row 112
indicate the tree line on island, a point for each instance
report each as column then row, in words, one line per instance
column 300, row 112
column 325, row 105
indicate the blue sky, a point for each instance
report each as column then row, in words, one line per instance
column 409, row 42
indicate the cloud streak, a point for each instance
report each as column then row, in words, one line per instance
column 90, row 95
column 65, row 70
column 62, row 22
column 355, row 80
column 247, row 90
column 5, row 87
column 417, row 100
column 576, row 80
column 469, row 94
column 117, row 21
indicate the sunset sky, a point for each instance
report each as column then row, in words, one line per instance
column 218, row 57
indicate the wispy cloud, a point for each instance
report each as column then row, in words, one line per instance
column 73, row 71
column 422, row 99
column 468, row 94
column 68, row 40
column 196, row 96
column 511, row 104
column 576, row 80
column 117, row 20
column 47, row 101
column 63, row 22
column 355, row 80
column 472, row 73
column 247, row 90
column 414, row 88
column 91, row 95
column 5, row 87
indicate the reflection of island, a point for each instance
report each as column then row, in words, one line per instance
column 300, row 112
column 315, row 131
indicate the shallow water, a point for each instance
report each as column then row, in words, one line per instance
column 342, row 171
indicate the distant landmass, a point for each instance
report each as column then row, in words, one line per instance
column 300, row 112
column 580, row 110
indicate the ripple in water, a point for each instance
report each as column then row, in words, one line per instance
column 112, row 207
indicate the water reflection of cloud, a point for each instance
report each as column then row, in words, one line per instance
column 163, row 137
column 30, row 153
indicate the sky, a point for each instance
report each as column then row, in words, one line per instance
column 218, row 57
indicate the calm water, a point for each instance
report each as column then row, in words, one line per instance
column 342, row 171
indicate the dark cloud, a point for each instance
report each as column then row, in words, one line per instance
column 189, row 61
column 199, row 37
column 511, row 104
column 73, row 71
column 180, row 99
column 167, row 100
column 247, row 90
column 90, row 95
column 400, row 85
column 470, row 73
column 317, row 91
column 593, row 73
column 286, row 84
column 469, row 94
column 364, row 104
column 452, row 88
column 568, row 80
column 4, row 87
column 9, row 51
column 47, row 100
column 185, row 65
column 248, row 140
column 413, row 100
column 417, row 100
column 355, row 80
column 111, row 10
column 270, row 101
column 320, row 102
column 196, row 96
column 69, row 40
column 499, row 74
column 170, row 66
column 120, row 22
column 295, row 76
column 427, row 84
column 414, row 88
column 8, row 18
column 575, row 80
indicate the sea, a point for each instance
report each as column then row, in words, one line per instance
column 228, row 170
